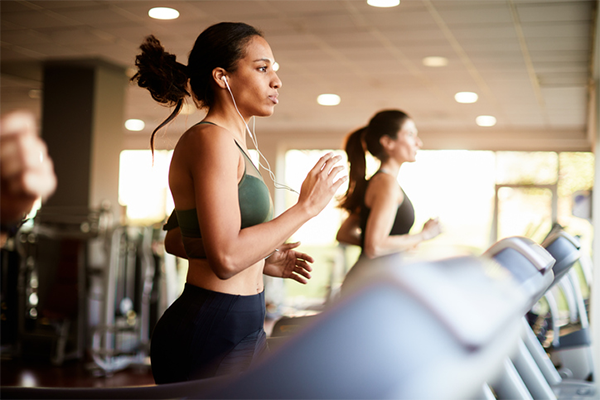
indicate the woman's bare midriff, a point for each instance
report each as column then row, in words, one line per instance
column 247, row 282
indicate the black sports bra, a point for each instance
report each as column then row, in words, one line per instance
column 405, row 218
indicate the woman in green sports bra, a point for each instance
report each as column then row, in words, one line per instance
column 224, row 209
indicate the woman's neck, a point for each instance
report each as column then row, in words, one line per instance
column 390, row 168
column 230, row 121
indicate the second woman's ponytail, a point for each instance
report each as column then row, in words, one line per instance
column 357, row 182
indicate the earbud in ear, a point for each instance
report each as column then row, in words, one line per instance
column 224, row 79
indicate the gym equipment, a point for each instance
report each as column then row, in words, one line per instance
column 534, row 375
column 52, row 283
column 531, row 265
column 122, row 336
column 571, row 351
column 360, row 347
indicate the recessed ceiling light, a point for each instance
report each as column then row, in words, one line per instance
column 435, row 61
column 163, row 13
column 383, row 3
column 135, row 125
column 485, row 120
column 466, row 97
column 328, row 99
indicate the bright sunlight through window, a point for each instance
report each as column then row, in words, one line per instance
column 143, row 187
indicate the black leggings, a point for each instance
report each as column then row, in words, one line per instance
column 205, row 334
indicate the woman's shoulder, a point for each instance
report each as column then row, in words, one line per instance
column 204, row 133
column 385, row 185
column 384, row 180
column 206, row 138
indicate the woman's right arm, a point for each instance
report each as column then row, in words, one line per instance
column 378, row 241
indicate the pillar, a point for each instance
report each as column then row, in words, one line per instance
column 82, row 124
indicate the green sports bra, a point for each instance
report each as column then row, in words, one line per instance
column 255, row 204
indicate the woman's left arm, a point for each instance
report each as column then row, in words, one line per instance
column 174, row 243
column 285, row 262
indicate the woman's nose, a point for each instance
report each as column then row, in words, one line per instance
column 276, row 83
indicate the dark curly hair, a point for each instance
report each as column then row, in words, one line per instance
column 220, row 45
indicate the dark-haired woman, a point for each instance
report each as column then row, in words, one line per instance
column 223, row 207
column 380, row 214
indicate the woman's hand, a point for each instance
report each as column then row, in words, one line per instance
column 320, row 185
column 431, row 229
column 285, row 262
column 26, row 170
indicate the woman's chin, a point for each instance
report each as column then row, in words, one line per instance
column 266, row 113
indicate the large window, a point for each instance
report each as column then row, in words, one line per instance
column 143, row 185
column 479, row 197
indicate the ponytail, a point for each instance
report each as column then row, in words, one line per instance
column 357, row 183
column 164, row 77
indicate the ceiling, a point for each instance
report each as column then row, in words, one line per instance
column 530, row 62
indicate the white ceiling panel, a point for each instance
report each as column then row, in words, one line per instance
column 546, row 31
column 33, row 19
column 92, row 16
column 370, row 56
column 559, row 44
column 574, row 10
column 53, row 5
column 490, row 12
column 502, row 31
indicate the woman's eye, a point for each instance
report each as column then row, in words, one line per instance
column 262, row 69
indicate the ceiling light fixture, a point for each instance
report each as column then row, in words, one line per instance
column 163, row 13
column 485, row 120
column 466, row 97
column 435, row 61
column 134, row 125
column 328, row 99
column 383, row 3
column 275, row 66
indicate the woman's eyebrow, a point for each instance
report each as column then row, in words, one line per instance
column 264, row 59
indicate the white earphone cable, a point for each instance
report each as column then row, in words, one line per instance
column 276, row 184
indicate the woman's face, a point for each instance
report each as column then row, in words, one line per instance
column 407, row 142
column 254, row 83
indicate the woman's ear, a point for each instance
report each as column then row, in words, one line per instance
column 387, row 142
column 218, row 74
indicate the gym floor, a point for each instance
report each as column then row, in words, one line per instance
column 74, row 373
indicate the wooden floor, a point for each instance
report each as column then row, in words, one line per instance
column 73, row 373
column 40, row 372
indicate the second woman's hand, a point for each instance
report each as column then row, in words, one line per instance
column 320, row 184
column 431, row 229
